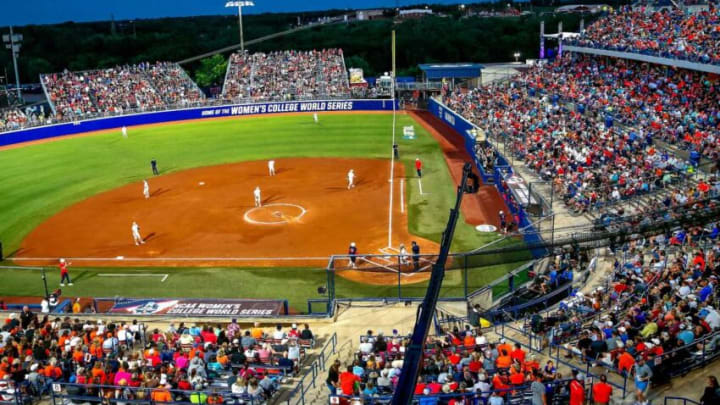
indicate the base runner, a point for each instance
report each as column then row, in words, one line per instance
column 146, row 189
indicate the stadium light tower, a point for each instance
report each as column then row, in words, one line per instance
column 12, row 42
column 240, row 5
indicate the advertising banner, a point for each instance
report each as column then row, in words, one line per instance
column 99, row 124
column 200, row 307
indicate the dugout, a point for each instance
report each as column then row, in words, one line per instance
column 452, row 73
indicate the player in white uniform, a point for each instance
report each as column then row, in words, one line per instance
column 124, row 132
column 351, row 179
column 271, row 167
column 315, row 117
column 136, row 234
column 146, row 189
column 256, row 193
column 403, row 255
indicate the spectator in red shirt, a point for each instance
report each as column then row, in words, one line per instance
column 348, row 381
column 64, row 274
column 602, row 391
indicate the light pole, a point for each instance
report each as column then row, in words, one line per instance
column 517, row 56
column 12, row 42
column 240, row 5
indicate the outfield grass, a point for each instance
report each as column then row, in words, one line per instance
column 40, row 180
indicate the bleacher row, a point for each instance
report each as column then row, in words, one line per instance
column 276, row 76
column 669, row 32
column 592, row 126
column 91, row 360
column 286, row 75
column 118, row 90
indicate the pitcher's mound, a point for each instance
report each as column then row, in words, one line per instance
column 274, row 214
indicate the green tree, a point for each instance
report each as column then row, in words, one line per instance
column 211, row 71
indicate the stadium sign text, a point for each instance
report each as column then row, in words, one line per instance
column 271, row 108
column 201, row 307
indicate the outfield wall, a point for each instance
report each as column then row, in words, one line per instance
column 236, row 110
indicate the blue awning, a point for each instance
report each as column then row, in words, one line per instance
column 436, row 71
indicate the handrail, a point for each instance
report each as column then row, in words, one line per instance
column 318, row 365
column 684, row 400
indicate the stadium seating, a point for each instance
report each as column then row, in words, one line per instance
column 12, row 118
column 603, row 149
column 286, row 75
column 120, row 90
column 670, row 33
column 126, row 361
column 658, row 304
column 457, row 364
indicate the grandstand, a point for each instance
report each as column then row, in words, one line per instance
column 119, row 90
column 286, row 75
column 615, row 307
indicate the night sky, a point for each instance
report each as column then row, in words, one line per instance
column 17, row 12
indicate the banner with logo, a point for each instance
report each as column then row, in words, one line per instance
column 200, row 307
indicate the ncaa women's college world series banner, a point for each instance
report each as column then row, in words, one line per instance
column 200, row 307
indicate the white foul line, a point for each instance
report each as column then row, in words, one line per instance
column 164, row 276
column 420, row 185
column 402, row 196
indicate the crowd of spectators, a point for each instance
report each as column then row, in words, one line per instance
column 119, row 90
column 12, row 118
column 604, row 149
column 460, row 362
column 286, row 75
column 657, row 313
column 127, row 361
column 173, row 84
column 670, row 32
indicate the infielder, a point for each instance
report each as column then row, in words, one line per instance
column 351, row 179
column 146, row 189
column 315, row 117
column 136, row 234
column 271, row 167
column 124, row 132
column 256, row 193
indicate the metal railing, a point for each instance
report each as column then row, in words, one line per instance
column 320, row 364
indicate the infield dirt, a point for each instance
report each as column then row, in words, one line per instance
column 200, row 213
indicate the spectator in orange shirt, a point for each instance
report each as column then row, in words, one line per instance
column 517, row 377
column 161, row 394
column 504, row 346
column 257, row 331
column 625, row 362
column 504, row 360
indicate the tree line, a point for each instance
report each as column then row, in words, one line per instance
column 454, row 38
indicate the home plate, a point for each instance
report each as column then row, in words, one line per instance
column 202, row 183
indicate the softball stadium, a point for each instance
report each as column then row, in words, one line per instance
column 531, row 232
